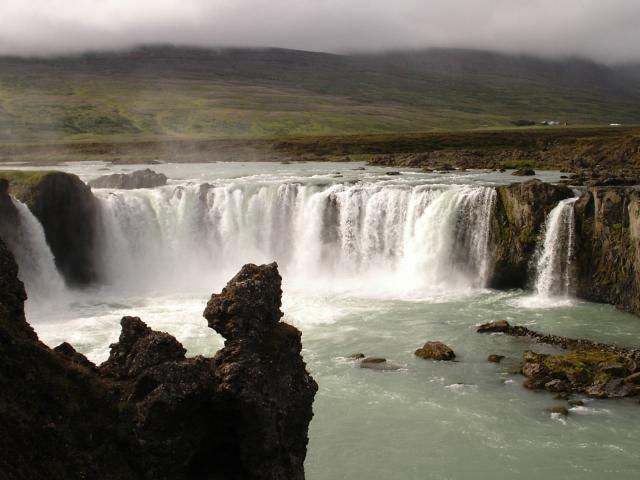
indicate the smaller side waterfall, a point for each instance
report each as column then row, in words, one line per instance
column 37, row 268
column 555, row 252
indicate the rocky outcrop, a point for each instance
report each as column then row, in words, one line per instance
column 599, row 374
column 608, row 246
column 261, row 375
column 520, row 212
column 146, row 178
column 149, row 412
column 597, row 369
column 67, row 212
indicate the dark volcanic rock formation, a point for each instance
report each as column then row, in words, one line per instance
column 520, row 212
column 261, row 375
column 146, row 178
column 149, row 412
column 608, row 246
column 67, row 212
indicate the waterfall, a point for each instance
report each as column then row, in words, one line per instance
column 555, row 251
column 36, row 264
column 380, row 235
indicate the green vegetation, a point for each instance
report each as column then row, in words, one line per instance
column 171, row 94
column 21, row 182
column 27, row 178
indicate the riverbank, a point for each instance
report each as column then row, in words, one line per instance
column 578, row 149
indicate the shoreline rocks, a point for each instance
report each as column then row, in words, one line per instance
column 596, row 369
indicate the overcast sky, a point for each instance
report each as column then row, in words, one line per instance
column 607, row 30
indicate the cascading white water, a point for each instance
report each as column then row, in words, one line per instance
column 555, row 252
column 36, row 264
column 373, row 235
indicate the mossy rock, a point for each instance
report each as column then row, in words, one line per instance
column 21, row 182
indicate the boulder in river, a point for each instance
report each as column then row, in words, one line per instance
column 435, row 351
column 146, row 178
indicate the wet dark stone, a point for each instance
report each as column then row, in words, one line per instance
column 435, row 351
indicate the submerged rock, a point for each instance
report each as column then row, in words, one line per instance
column 146, row 178
column 356, row 356
column 373, row 363
column 559, row 410
column 523, row 172
column 500, row 326
column 435, row 351
column 378, row 363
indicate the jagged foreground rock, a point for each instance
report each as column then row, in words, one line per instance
column 148, row 411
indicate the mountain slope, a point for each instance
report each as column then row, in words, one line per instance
column 177, row 92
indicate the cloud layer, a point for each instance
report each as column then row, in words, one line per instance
column 603, row 30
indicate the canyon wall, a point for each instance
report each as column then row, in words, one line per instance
column 608, row 246
column 519, row 215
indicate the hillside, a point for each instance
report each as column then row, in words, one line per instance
column 153, row 93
